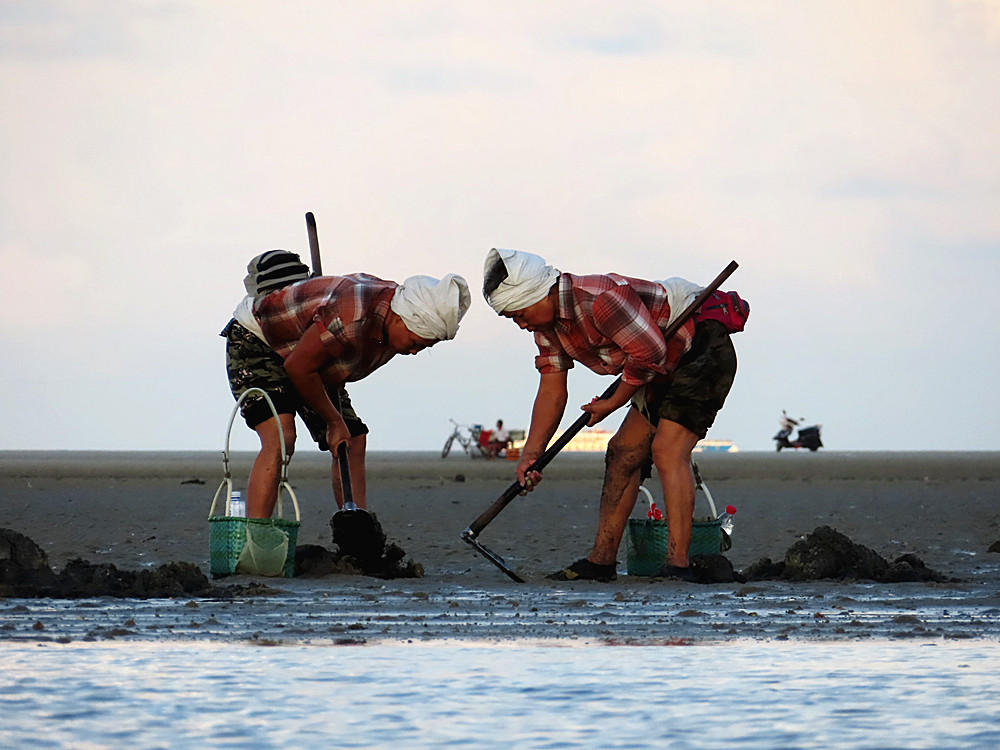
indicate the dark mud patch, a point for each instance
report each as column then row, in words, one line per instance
column 25, row 573
column 315, row 561
column 362, row 548
column 828, row 554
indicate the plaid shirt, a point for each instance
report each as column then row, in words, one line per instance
column 612, row 324
column 351, row 311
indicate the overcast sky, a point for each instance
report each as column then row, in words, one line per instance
column 846, row 154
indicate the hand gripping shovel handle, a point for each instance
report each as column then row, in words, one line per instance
column 515, row 489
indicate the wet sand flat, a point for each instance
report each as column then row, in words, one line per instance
column 143, row 509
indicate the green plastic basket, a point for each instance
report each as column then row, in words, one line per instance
column 647, row 543
column 646, row 538
column 228, row 535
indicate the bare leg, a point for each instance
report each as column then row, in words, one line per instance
column 262, row 486
column 672, row 448
column 356, row 465
column 623, row 461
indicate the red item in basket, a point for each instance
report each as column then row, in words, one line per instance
column 654, row 513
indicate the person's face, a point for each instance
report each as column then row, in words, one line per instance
column 536, row 317
column 404, row 341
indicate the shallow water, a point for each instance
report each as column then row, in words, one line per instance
column 745, row 694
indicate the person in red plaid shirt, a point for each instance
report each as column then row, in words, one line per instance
column 613, row 324
column 330, row 330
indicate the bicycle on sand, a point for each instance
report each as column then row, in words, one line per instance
column 469, row 439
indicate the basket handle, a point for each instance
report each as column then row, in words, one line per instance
column 227, row 480
column 699, row 485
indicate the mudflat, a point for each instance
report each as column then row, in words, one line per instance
column 138, row 510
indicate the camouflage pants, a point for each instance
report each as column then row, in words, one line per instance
column 250, row 363
column 695, row 392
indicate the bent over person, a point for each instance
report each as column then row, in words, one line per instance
column 330, row 330
column 251, row 363
column 613, row 325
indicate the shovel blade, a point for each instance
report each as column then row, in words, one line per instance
column 358, row 533
column 492, row 556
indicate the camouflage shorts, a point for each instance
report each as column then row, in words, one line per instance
column 250, row 363
column 697, row 389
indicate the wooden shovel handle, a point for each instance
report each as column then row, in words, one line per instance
column 317, row 264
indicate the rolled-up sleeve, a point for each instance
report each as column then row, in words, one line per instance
column 551, row 356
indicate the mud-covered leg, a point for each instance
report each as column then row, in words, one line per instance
column 623, row 461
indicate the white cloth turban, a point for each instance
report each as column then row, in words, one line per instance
column 430, row 308
column 528, row 279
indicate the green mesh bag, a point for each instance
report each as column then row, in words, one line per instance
column 230, row 553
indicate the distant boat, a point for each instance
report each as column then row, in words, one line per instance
column 716, row 446
column 589, row 441
column 596, row 441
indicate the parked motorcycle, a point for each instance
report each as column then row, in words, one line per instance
column 808, row 437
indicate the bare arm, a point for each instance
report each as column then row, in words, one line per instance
column 303, row 366
column 547, row 412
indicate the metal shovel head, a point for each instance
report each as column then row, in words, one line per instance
column 358, row 533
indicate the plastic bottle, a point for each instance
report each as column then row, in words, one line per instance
column 237, row 507
column 726, row 519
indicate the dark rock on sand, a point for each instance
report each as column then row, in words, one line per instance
column 314, row 561
column 80, row 579
column 828, row 554
column 24, row 572
column 24, row 565
column 715, row 569
column 363, row 548
column 995, row 547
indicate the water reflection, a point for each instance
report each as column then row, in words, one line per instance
column 513, row 694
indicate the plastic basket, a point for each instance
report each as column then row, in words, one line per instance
column 646, row 540
column 227, row 535
column 647, row 543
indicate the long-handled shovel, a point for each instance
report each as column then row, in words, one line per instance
column 471, row 534
column 355, row 530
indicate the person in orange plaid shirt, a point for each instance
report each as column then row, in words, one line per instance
column 330, row 330
column 613, row 324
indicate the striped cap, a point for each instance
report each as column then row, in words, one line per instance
column 273, row 270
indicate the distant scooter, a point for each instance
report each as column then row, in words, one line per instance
column 808, row 437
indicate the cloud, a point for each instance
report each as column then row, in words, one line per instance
column 842, row 154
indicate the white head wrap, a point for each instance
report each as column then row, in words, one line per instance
column 528, row 279
column 430, row 308
column 680, row 294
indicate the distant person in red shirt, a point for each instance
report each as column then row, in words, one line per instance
column 613, row 325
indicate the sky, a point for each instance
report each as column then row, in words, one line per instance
column 845, row 153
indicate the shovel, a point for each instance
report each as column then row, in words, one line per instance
column 355, row 531
column 471, row 534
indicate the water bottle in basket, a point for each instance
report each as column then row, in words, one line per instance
column 237, row 506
